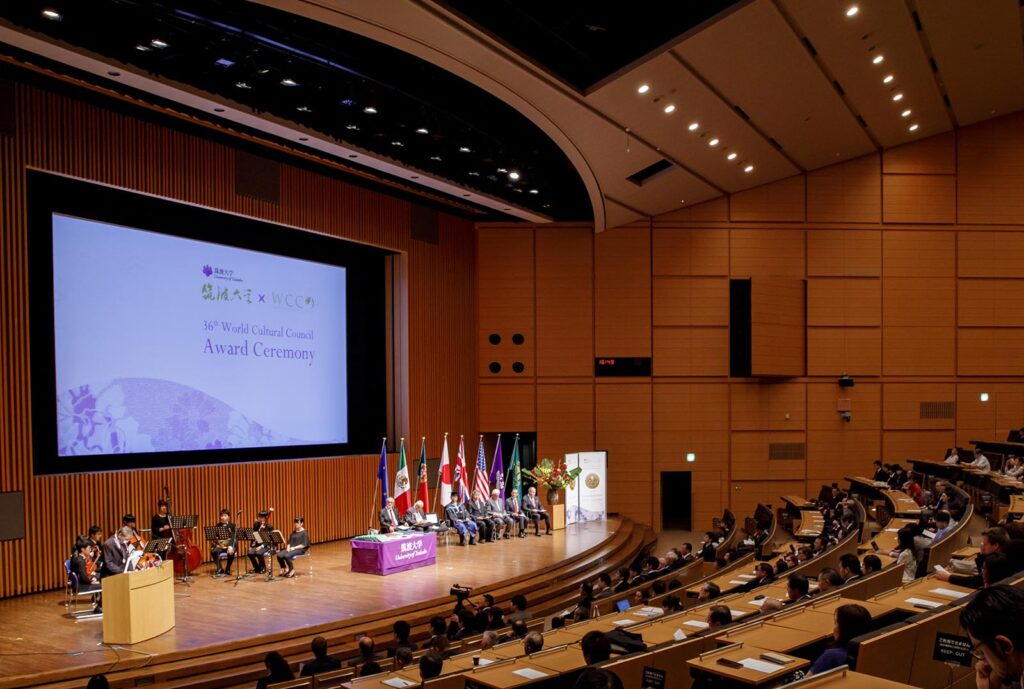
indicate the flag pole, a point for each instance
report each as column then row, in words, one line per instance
column 440, row 468
column 376, row 490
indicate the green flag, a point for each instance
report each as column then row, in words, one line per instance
column 516, row 485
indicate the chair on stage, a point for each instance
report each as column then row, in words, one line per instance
column 304, row 555
column 72, row 591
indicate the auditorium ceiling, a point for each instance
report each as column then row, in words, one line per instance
column 608, row 111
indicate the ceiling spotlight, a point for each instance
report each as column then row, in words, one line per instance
column 352, row 127
column 370, row 110
column 669, row 109
column 289, row 82
column 242, row 85
column 464, row 149
column 52, row 15
column 513, row 175
column 422, row 130
column 303, row 108
column 731, row 156
column 474, row 174
column 888, row 79
column 534, row 191
column 913, row 127
column 905, row 113
column 878, row 60
column 693, row 126
column 157, row 43
column 713, row 142
column 852, row 11
column 644, row 88
column 437, row 158
column 502, row 170
column 749, row 168
column 897, row 97
column 142, row 48
column 397, row 143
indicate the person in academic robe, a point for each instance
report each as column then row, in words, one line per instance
column 496, row 511
column 390, row 520
column 514, row 509
column 536, row 512
column 457, row 515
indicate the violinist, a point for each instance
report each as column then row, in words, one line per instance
column 81, row 566
column 259, row 551
column 161, row 521
column 226, row 545
column 96, row 539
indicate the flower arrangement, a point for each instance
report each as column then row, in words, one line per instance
column 554, row 476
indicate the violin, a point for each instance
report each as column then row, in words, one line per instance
column 145, row 560
column 90, row 564
column 186, row 556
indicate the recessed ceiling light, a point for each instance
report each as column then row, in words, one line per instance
column 749, row 168
column 852, row 11
column 263, row 71
column 437, row 158
column 52, row 15
column 370, row 110
column 731, row 156
column 422, row 130
column 693, row 126
column 474, row 174
column 513, row 175
column 289, row 82
column 897, row 97
column 913, row 127
column 534, row 191
column 713, row 142
column 465, row 196
column 142, row 48
column 888, row 79
column 682, row 200
column 397, row 143
column 644, row 88
column 464, row 149
column 878, row 59
column 502, row 170
column 905, row 113
column 669, row 109
column 157, row 43
column 303, row 138
column 352, row 127
column 218, row 109
column 242, row 85
column 303, row 108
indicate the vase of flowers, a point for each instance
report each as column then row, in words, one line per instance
column 555, row 478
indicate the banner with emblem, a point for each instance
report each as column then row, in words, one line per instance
column 403, row 501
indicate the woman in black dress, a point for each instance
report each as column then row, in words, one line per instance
column 298, row 542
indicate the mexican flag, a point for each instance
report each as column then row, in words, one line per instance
column 403, row 496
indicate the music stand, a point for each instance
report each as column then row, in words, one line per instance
column 179, row 522
column 243, row 534
column 275, row 540
column 154, row 546
column 215, row 534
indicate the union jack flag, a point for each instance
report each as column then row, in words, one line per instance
column 460, row 472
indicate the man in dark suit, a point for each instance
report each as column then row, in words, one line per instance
column 416, row 517
column 321, row 661
column 389, row 519
column 535, row 511
column 115, row 551
column 477, row 509
column 496, row 511
column 763, row 574
column 514, row 509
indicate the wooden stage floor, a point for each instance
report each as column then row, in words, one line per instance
column 37, row 636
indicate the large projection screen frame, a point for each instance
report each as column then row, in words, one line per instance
column 369, row 305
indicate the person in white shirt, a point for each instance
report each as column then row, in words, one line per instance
column 1013, row 468
column 904, row 554
column 981, row 462
column 944, row 524
column 953, row 457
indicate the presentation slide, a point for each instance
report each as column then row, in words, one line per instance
column 167, row 344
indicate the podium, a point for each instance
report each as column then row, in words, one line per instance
column 138, row 605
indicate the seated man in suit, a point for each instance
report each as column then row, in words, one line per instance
column 514, row 509
column 321, row 661
column 496, row 511
column 763, row 574
column 535, row 511
column 389, row 518
column 477, row 509
column 459, row 519
column 416, row 517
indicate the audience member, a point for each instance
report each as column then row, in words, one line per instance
column 597, row 678
column 994, row 540
column 401, row 631
column 709, row 591
column 851, row 622
column 321, row 661
column 719, row 615
column 996, row 567
column 992, row 620
column 98, row 682
column 670, row 604
column 603, row 588
column 533, row 643
column 828, row 579
column 797, row 587
column 430, row 666
column 277, row 670
column 596, row 647
column 849, row 567
column 707, row 548
column 872, row 563
column 403, row 658
column 904, row 553
column 770, row 605
column 440, row 647
column 944, row 524
column 488, row 639
column 519, row 604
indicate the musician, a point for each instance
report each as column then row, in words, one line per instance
column 88, row 579
column 457, row 515
column 477, row 509
column 225, row 545
column 535, row 511
column 389, row 517
column 259, row 551
column 161, row 522
column 298, row 543
column 115, row 549
column 416, row 517
column 515, row 511
column 96, row 539
column 496, row 511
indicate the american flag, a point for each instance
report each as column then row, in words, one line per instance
column 460, row 472
column 480, row 475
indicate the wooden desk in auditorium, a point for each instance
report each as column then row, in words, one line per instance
column 708, row 662
column 888, row 538
column 966, row 553
column 1016, row 506
column 922, row 595
column 809, row 526
column 559, row 659
column 797, row 502
column 901, row 503
column 807, row 619
column 511, row 673
column 843, row 678
column 875, row 608
column 771, row 636
column 409, row 675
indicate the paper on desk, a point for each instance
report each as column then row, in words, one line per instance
column 759, row 602
column 927, row 533
column 892, row 530
column 679, row 635
column 740, row 582
column 759, row 665
column 746, row 576
column 696, row 623
column 623, row 622
column 529, row 673
column 739, row 613
column 486, row 661
column 926, row 603
column 398, row 683
column 949, row 593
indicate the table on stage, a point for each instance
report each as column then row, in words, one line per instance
column 385, row 554
column 138, row 605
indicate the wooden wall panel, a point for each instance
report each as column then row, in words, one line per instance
column 744, row 496
column 990, row 171
column 773, row 202
column 899, row 446
column 749, row 456
column 565, row 301
column 918, row 351
column 691, row 301
column 778, row 326
column 505, row 265
column 848, row 253
column 766, row 253
column 865, row 400
column 622, row 292
column 565, row 419
column 902, row 405
column 847, row 192
column 919, row 301
column 691, row 351
column 623, row 414
column 844, row 301
column 707, row 502
column 835, row 351
column 935, row 155
column 971, row 412
column 919, row 199
column 768, row 406
column 691, row 407
column 907, row 253
column 990, row 254
column 990, row 302
column 690, row 251
column 715, row 210
column 831, row 455
column 990, row 352
column 508, row 407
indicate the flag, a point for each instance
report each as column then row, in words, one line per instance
column 480, row 475
column 497, row 475
column 514, row 470
column 403, row 500
column 382, row 473
column 460, row 482
column 445, row 480
column 422, row 489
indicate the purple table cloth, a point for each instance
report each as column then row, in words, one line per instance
column 395, row 554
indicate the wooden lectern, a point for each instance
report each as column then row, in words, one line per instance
column 138, row 605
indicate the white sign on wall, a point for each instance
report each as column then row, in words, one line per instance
column 588, row 501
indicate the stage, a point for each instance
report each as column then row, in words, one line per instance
column 40, row 643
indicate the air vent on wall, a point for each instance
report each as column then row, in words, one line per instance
column 938, row 410
column 786, row 451
column 257, row 177
column 642, row 177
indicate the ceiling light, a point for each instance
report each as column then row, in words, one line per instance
column 669, row 109
column 422, row 130
column 513, row 175
column 749, row 168
column 370, row 110
column 913, row 127
column 983, row 397
column 682, row 200
column 534, row 191
column 905, row 113
column 52, row 15
column 437, row 158
column 397, row 143
column 242, row 85
column 691, row 456
column 263, row 71
column 474, row 174
column 852, row 12
column 464, row 149
column 303, row 108
column 897, row 97
column 289, row 82
column 693, row 126
column 888, row 79
column 352, row 127
column 878, row 60
column 224, row 62
column 731, row 156
column 157, row 43
column 713, row 142
column 502, row 170
column 142, row 48
column 644, row 88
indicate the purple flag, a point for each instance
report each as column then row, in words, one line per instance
column 497, row 475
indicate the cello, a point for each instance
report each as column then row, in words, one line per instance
column 187, row 557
